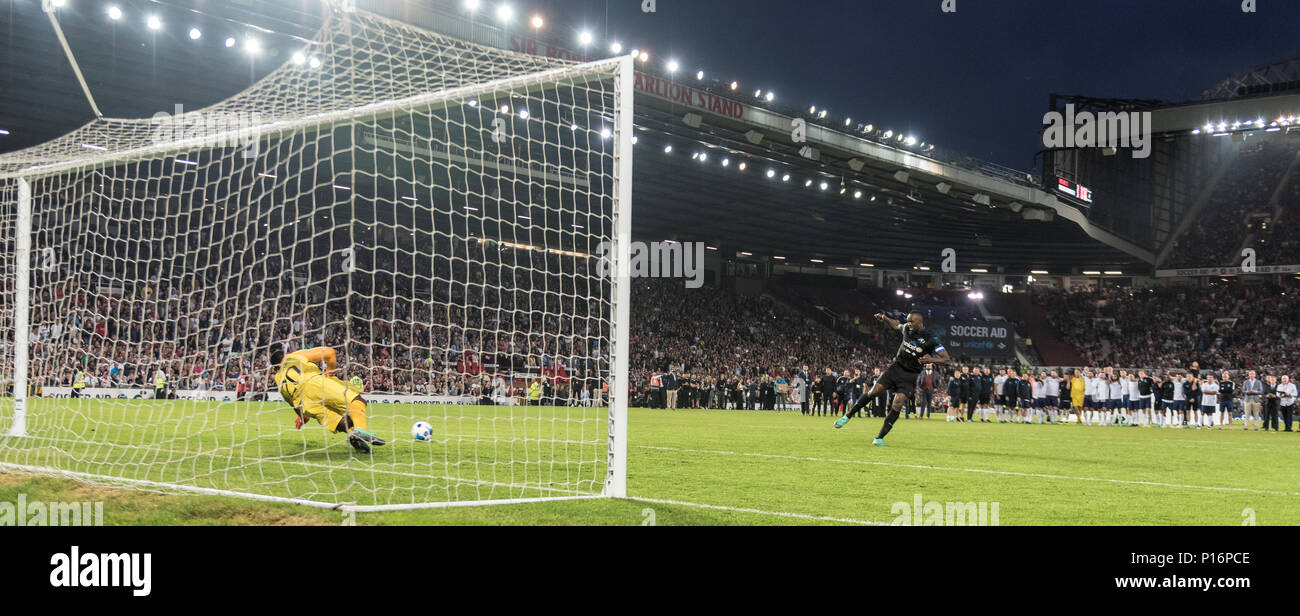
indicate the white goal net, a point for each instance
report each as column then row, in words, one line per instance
column 429, row 208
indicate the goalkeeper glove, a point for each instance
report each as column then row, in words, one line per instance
column 297, row 422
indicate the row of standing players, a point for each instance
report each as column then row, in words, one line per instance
column 1093, row 397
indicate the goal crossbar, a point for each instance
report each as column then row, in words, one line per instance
column 373, row 111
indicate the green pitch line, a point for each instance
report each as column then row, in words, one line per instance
column 687, row 467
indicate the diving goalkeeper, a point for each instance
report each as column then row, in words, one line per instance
column 317, row 395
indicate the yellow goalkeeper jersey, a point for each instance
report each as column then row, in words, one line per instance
column 299, row 368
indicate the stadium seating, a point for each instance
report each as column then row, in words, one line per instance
column 449, row 339
column 1276, row 241
column 1238, row 210
column 709, row 332
column 1222, row 327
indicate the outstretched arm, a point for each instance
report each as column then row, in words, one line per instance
column 322, row 354
column 883, row 318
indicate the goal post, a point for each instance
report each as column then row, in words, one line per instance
column 22, row 241
column 618, row 411
column 430, row 208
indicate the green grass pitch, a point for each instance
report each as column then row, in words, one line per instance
column 686, row 467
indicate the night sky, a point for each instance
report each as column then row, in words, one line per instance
column 978, row 80
column 975, row 82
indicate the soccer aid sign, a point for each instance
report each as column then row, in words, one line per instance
column 976, row 338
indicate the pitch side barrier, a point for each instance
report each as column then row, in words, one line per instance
column 101, row 393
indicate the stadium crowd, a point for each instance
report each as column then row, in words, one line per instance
column 1223, row 327
column 1239, row 212
column 454, row 340
column 1275, row 240
column 458, row 341
column 517, row 324
column 727, row 351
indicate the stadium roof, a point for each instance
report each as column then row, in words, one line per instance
column 921, row 205
column 1277, row 77
column 869, row 216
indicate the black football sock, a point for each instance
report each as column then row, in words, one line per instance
column 889, row 424
column 858, row 406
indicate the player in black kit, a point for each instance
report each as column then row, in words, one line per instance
column 918, row 348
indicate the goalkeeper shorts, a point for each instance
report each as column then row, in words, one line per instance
column 325, row 398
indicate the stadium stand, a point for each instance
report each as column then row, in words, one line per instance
column 1240, row 209
column 710, row 332
column 1032, row 323
column 1276, row 240
column 127, row 332
column 1222, row 327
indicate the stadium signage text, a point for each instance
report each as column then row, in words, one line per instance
column 1197, row 272
column 534, row 47
column 977, row 331
column 212, row 395
column 646, row 84
column 976, row 338
column 688, row 96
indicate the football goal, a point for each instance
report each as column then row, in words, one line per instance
column 429, row 208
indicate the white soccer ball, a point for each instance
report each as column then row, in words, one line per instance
column 422, row 432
